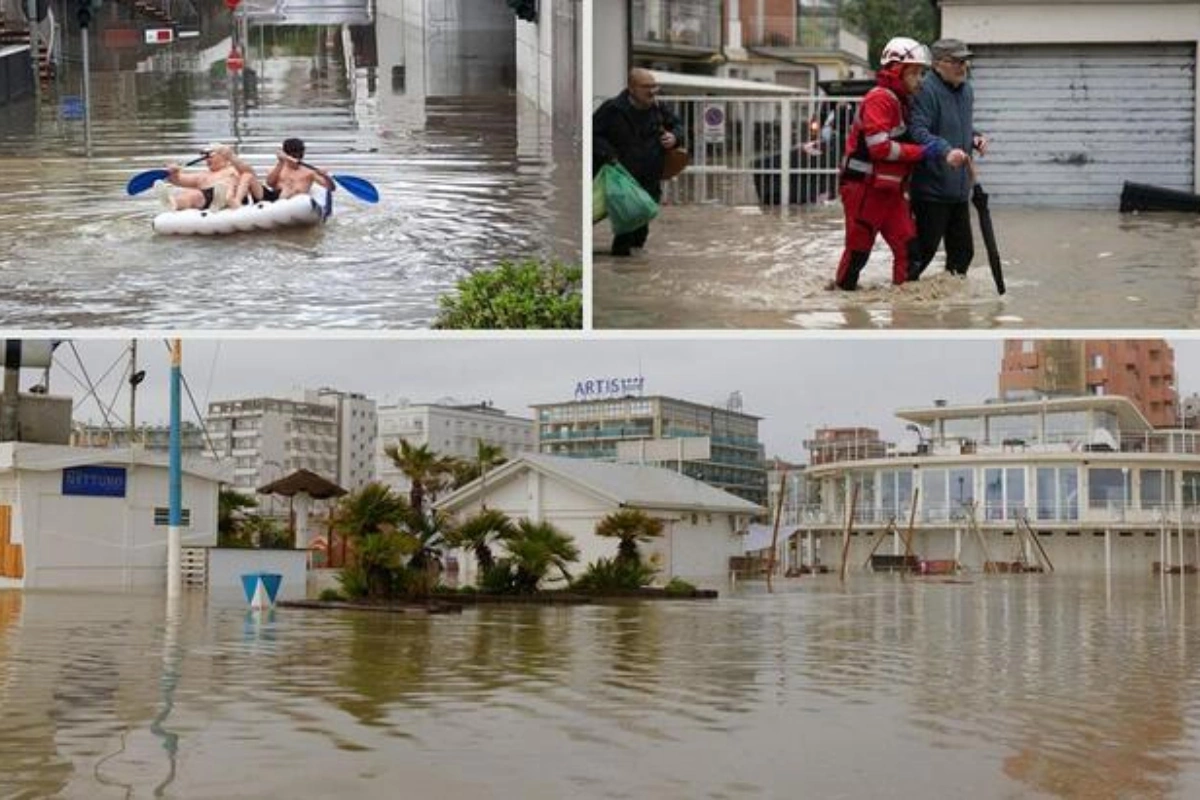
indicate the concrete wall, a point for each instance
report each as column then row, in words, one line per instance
column 103, row 542
column 226, row 565
column 1070, row 23
column 610, row 49
column 16, row 73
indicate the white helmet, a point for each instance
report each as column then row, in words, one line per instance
column 903, row 50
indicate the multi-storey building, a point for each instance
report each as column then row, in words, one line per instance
column 354, row 417
column 267, row 438
column 793, row 42
column 148, row 437
column 593, row 428
column 1142, row 370
column 448, row 429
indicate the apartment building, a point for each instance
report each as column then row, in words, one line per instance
column 1142, row 370
column 593, row 428
column 448, row 429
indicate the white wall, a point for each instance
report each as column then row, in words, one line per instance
column 105, row 542
column 610, row 49
column 226, row 565
column 1071, row 23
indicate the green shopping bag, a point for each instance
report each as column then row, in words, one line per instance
column 628, row 204
column 599, row 204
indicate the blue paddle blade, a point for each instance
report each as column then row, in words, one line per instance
column 361, row 188
column 144, row 180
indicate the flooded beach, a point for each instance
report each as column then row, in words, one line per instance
column 708, row 266
column 996, row 686
column 469, row 173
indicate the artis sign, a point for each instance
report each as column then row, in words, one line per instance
column 597, row 388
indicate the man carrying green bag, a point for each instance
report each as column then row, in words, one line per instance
column 634, row 132
column 628, row 205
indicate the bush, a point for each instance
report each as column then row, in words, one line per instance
column 330, row 596
column 617, row 573
column 353, row 580
column 679, row 588
column 526, row 295
column 498, row 579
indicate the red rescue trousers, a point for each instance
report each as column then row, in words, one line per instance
column 872, row 209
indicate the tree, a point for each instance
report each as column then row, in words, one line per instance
column 425, row 470
column 371, row 518
column 478, row 533
column 230, row 507
column 630, row 526
column 535, row 549
column 880, row 20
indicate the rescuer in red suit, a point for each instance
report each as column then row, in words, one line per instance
column 879, row 161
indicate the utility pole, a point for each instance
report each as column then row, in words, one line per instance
column 175, row 479
column 133, row 382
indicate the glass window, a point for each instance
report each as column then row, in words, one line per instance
column 1107, row 488
column 1191, row 489
column 993, row 493
column 1062, row 426
column 971, row 428
column 962, row 487
column 895, row 492
column 933, row 495
column 1023, row 427
column 1014, row 488
column 1057, row 493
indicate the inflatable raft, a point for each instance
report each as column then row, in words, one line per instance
column 303, row 210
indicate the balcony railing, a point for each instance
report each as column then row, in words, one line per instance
column 1001, row 515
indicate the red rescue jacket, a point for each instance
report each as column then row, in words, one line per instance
column 874, row 150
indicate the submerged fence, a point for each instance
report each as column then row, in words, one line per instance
column 738, row 145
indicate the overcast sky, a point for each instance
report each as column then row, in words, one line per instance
column 795, row 385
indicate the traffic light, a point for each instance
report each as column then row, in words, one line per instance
column 84, row 12
column 524, row 9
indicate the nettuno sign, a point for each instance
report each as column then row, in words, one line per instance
column 598, row 388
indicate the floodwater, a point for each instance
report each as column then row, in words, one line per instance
column 982, row 687
column 719, row 267
column 469, row 174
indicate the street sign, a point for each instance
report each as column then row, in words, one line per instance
column 160, row 35
column 714, row 124
column 234, row 61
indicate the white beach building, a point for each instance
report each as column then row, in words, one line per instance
column 703, row 526
column 84, row 518
column 1077, row 484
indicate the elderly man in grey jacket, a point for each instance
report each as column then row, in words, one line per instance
column 943, row 109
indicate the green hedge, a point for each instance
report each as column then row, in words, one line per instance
column 531, row 294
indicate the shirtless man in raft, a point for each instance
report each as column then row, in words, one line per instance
column 210, row 189
column 287, row 178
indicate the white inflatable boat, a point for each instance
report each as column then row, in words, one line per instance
column 302, row 210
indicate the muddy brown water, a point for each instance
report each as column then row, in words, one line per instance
column 719, row 267
column 988, row 686
column 467, row 180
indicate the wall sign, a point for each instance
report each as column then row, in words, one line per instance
column 94, row 481
column 598, row 388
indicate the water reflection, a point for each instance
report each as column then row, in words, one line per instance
column 1011, row 685
column 469, row 175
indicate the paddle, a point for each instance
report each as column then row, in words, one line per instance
column 144, row 180
column 361, row 188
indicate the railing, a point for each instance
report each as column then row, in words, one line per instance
column 998, row 514
column 736, row 146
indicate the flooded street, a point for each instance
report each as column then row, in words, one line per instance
column 996, row 687
column 719, row 267
column 469, row 175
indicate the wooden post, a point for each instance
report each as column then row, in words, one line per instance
column 890, row 529
column 912, row 522
column 849, row 527
column 775, row 531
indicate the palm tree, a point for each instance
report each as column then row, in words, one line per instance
column 477, row 534
column 486, row 457
column 424, row 469
column 535, row 549
column 371, row 517
column 230, row 503
column 630, row 525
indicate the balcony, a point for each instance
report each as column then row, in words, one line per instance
column 680, row 25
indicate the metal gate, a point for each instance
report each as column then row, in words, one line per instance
column 1070, row 124
column 737, row 144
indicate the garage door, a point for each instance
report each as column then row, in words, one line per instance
column 1070, row 124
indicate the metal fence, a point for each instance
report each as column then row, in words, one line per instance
column 737, row 147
